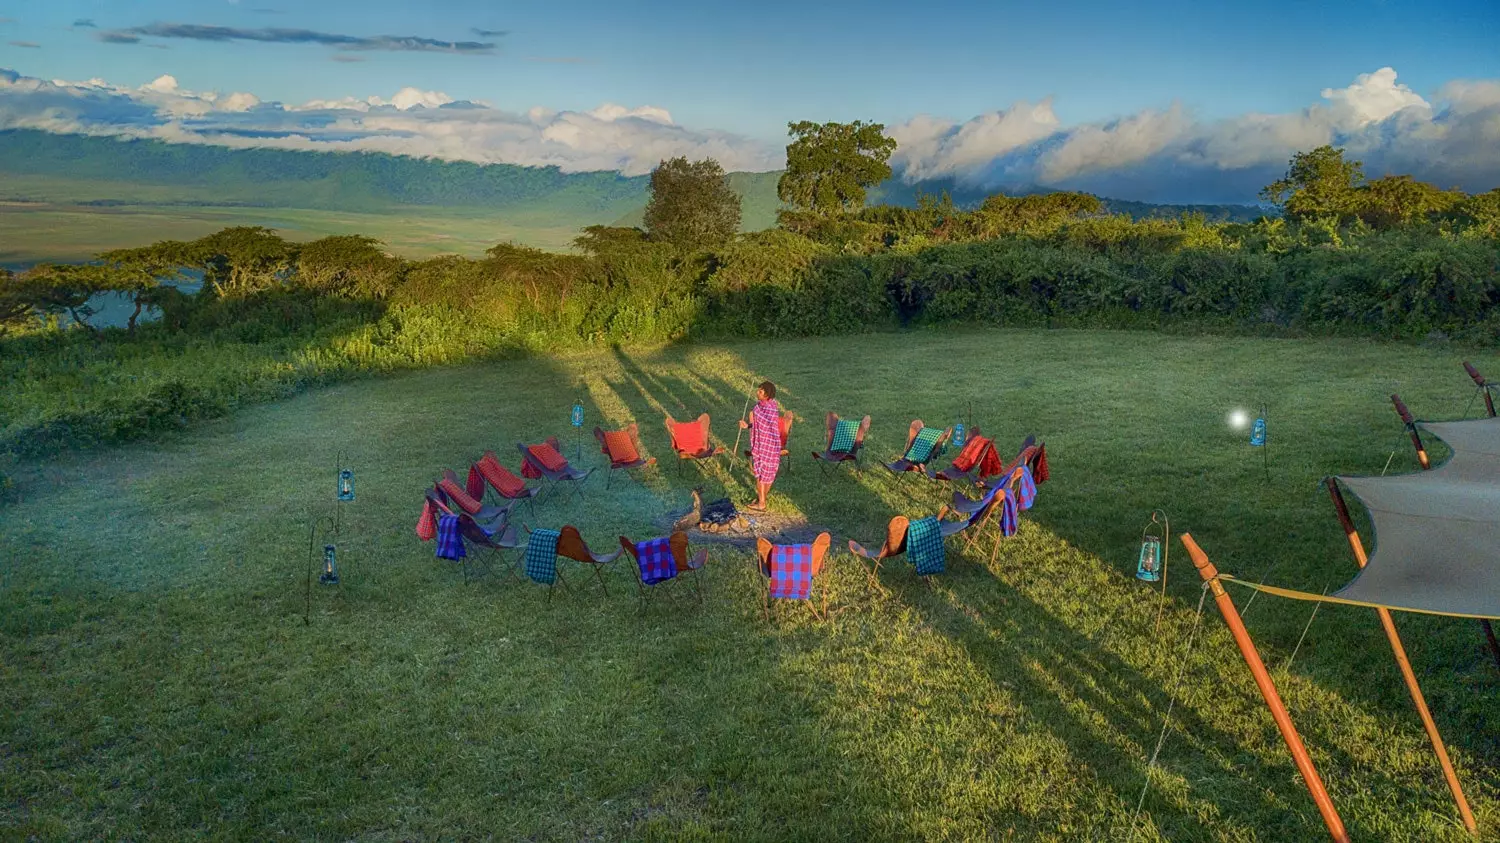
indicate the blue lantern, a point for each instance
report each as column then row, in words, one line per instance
column 330, row 575
column 1258, row 431
column 577, row 418
column 1148, row 568
column 959, row 436
column 346, row 484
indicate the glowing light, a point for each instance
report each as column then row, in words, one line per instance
column 1239, row 419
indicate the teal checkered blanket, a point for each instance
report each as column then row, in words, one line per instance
column 541, row 556
column 924, row 544
column 921, row 446
column 843, row 436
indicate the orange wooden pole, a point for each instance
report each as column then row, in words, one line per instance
column 1407, row 674
column 1283, row 720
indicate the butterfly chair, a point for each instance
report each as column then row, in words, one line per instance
column 845, row 440
column 923, row 444
column 570, row 544
column 664, row 560
column 495, row 535
column 1004, row 496
column 545, row 461
column 789, row 572
column 496, row 538
column 470, row 504
column 539, row 561
column 784, row 426
column 894, row 545
column 489, row 471
column 976, row 462
column 623, row 449
column 691, row 440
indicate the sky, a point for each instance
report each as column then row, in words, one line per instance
column 1159, row 100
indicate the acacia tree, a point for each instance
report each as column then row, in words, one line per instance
column 140, row 272
column 692, row 205
column 830, row 165
column 1319, row 183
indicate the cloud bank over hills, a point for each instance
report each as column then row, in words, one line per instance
column 1160, row 155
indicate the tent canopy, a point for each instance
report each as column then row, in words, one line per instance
column 1437, row 533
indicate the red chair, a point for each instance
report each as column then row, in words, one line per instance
column 545, row 460
column 691, row 440
column 489, row 471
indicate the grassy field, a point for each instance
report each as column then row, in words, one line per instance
column 157, row 679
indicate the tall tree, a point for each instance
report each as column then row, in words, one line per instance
column 1399, row 200
column 692, row 204
column 1319, row 183
column 830, row 165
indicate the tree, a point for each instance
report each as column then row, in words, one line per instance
column 348, row 264
column 830, row 165
column 1399, row 200
column 1317, row 184
column 244, row 259
column 16, row 308
column 53, row 289
column 140, row 272
column 692, row 205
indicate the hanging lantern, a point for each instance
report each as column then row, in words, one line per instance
column 577, row 418
column 1148, row 568
column 346, row 484
column 330, row 575
column 1258, row 431
column 959, row 435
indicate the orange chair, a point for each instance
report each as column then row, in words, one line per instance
column 791, row 576
column 623, row 449
column 489, row 471
column 691, row 440
column 570, row 544
column 894, row 545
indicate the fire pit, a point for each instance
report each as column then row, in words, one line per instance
column 722, row 521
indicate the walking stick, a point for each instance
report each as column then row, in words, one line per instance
column 734, row 454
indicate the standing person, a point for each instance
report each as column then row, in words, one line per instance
column 765, row 441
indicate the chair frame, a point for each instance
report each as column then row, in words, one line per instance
column 570, row 545
column 763, row 549
column 528, row 493
column 902, row 465
column 894, row 545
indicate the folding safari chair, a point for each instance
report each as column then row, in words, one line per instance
column 973, row 469
column 784, row 427
column 691, row 440
column 978, row 513
column 894, row 545
column 652, row 571
column 545, row 461
column 489, row 472
column 789, row 572
column 570, row 544
column 493, row 535
column 496, row 538
column 459, row 496
column 923, row 444
column 622, row 447
column 829, row 456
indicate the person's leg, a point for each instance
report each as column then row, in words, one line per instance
column 762, row 488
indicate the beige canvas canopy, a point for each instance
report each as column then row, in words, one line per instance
column 1437, row 533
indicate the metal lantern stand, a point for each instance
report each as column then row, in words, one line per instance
column 576, row 419
column 1260, row 439
column 1151, row 566
column 332, row 529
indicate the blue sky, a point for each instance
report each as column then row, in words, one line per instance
column 1161, row 100
column 748, row 68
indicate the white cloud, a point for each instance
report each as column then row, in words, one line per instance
column 1453, row 138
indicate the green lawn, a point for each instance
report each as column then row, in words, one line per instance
column 157, row 680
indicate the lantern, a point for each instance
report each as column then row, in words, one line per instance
column 1258, row 431
column 958, row 435
column 346, row 484
column 330, row 575
column 1148, row 568
column 577, row 418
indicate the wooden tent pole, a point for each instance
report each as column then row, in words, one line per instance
column 1283, row 720
column 1402, row 662
column 1416, row 441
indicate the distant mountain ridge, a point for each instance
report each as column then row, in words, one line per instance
column 199, row 174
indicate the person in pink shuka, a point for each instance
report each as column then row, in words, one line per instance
column 765, row 441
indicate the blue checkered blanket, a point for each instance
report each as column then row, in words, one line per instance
column 924, row 545
column 450, row 544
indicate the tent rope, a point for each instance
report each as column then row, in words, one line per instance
column 1314, row 616
column 1171, row 703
